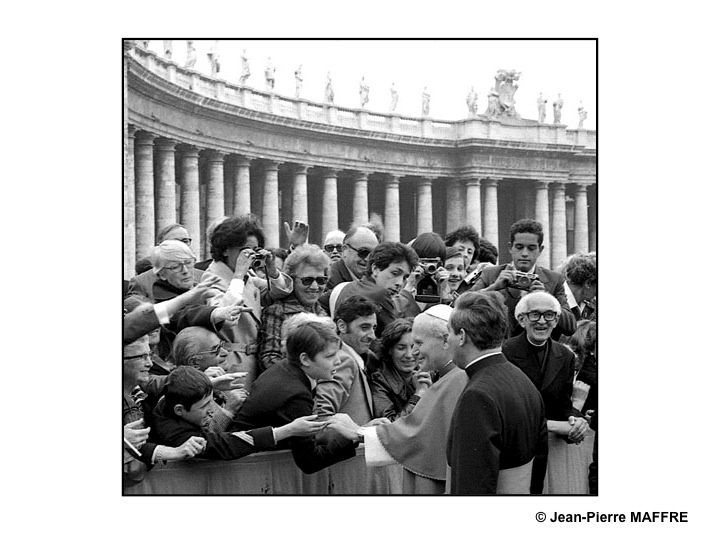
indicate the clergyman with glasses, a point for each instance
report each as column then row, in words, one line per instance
column 550, row 366
column 523, row 275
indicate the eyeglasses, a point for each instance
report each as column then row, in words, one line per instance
column 178, row 267
column 307, row 281
column 332, row 247
column 187, row 241
column 534, row 316
column 216, row 349
column 144, row 356
column 362, row 252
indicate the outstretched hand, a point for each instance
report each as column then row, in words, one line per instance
column 298, row 234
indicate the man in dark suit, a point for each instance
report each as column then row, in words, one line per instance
column 526, row 245
column 499, row 422
column 550, row 367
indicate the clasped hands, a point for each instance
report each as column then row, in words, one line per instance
column 345, row 426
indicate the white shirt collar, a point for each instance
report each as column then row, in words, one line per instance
column 482, row 357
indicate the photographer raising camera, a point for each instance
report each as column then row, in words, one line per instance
column 523, row 275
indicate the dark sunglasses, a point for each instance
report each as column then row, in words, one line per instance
column 216, row 349
column 362, row 252
column 332, row 247
column 307, row 281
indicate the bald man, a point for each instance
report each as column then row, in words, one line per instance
column 417, row 441
column 356, row 246
column 333, row 245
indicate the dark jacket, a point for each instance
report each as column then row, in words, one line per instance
column 278, row 396
column 553, row 283
column 171, row 430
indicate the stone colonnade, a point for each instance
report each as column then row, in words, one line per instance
column 165, row 183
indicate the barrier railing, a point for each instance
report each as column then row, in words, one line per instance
column 268, row 473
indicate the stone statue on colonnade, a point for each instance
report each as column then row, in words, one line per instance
column 493, row 107
column 214, row 58
column 393, row 97
column 557, row 109
column 244, row 69
column 541, row 103
column 472, row 99
column 425, row 102
column 582, row 116
column 191, row 56
column 144, row 43
column 505, row 87
column 298, row 81
column 364, row 92
column 167, row 48
column 329, row 92
column 270, row 74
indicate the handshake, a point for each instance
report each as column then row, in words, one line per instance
column 344, row 426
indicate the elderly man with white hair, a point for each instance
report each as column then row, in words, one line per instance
column 417, row 441
column 551, row 368
column 173, row 265
column 333, row 245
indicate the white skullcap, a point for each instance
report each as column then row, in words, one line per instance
column 439, row 311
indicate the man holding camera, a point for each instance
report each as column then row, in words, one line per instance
column 523, row 275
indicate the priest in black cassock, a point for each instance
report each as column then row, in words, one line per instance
column 498, row 425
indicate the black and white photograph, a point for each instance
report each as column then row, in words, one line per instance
column 359, row 267
column 359, row 247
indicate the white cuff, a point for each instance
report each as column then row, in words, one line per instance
column 161, row 313
column 375, row 453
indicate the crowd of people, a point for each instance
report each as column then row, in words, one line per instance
column 475, row 377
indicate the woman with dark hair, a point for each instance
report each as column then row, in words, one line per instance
column 237, row 245
column 393, row 385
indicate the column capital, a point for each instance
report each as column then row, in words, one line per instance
column 214, row 155
column 270, row 165
column 145, row 138
column 392, row 179
column 163, row 143
column 131, row 130
column 581, row 186
column 558, row 186
column 327, row 172
column 360, row 175
column 240, row 160
column 188, row 150
column 299, row 168
column 475, row 181
column 426, row 180
column 541, row 184
column 490, row 181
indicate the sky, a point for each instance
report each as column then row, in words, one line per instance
column 449, row 68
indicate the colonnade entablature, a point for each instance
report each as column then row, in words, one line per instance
column 195, row 153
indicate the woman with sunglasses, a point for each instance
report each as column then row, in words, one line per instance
column 308, row 267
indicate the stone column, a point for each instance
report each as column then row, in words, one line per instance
column 559, row 227
column 542, row 214
column 215, row 205
column 392, row 208
column 490, row 211
column 129, row 205
column 360, row 198
column 300, row 202
column 330, row 208
column 228, row 186
column 190, row 195
column 241, row 179
column 581, row 218
column 144, row 194
column 165, row 185
column 455, row 211
column 424, row 206
column 271, row 205
column 473, row 214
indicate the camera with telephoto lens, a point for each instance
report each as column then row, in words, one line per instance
column 427, row 287
column 522, row 280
